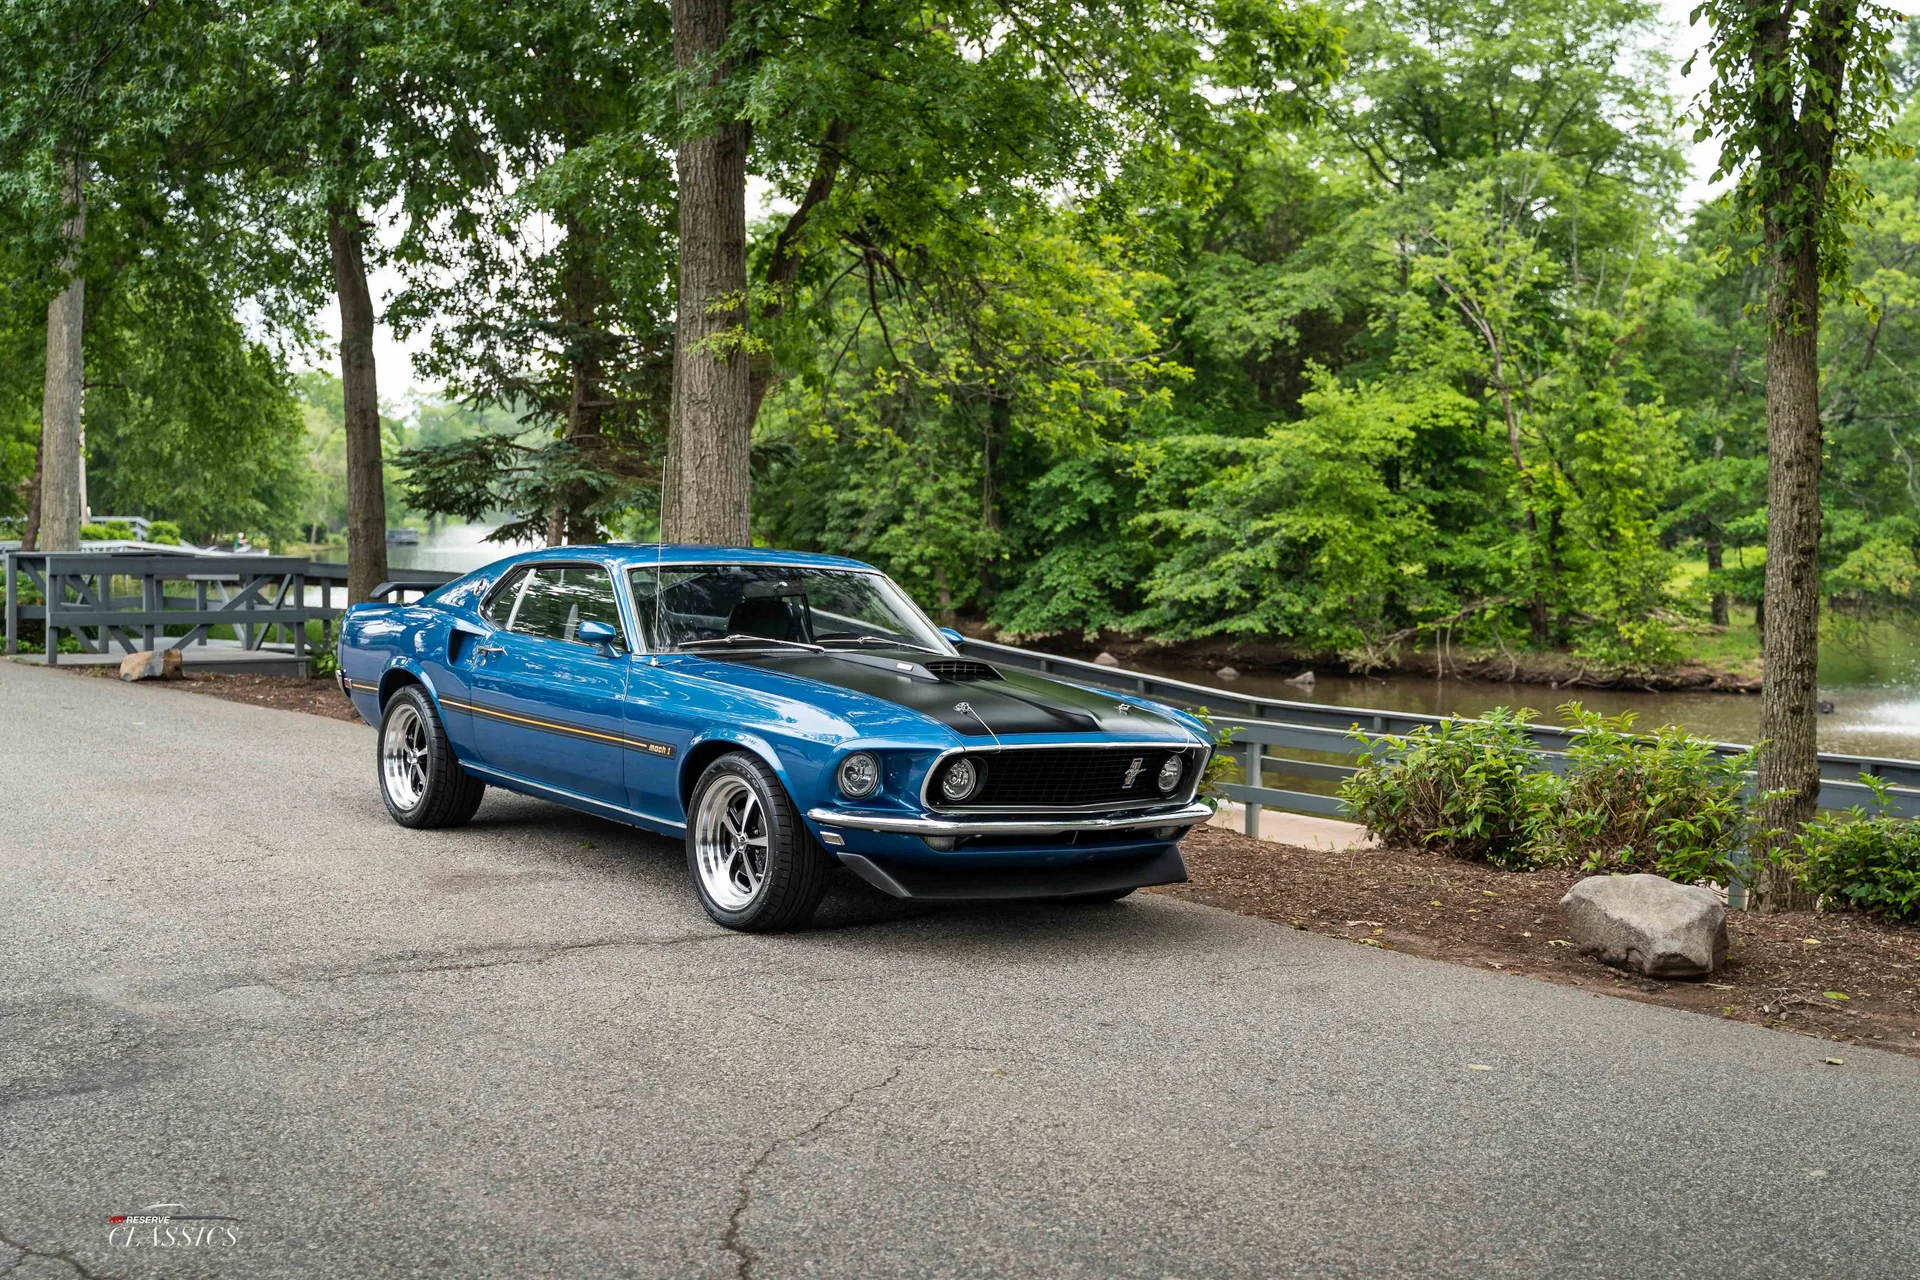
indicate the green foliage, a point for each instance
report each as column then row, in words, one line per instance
column 323, row 662
column 165, row 532
column 111, row 531
column 1864, row 861
column 1471, row 788
column 1802, row 95
column 1666, row 802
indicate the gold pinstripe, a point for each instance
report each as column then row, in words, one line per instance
column 554, row 726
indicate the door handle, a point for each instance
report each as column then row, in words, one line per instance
column 484, row 651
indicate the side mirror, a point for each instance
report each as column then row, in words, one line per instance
column 599, row 633
column 952, row 635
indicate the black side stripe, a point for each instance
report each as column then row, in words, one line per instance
column 652, row 748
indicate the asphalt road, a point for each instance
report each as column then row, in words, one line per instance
column 229, row 982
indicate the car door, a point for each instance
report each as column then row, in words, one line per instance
column 549, row 707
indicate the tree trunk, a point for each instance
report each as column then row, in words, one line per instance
column 30, row 536
column 709, row 428
column 60, row 440
column 943, row 595
column 366, row 475
column 1790, row 648
column 1715, row 562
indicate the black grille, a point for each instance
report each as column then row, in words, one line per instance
column 1071, row 778
column 963, row 670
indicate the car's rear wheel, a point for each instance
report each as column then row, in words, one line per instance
column 422, row 783
column 755, row 865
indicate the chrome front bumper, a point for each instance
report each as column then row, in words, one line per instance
column 1185, row 816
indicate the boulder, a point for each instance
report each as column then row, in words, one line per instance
column 1228, row 673
column 1648, row 924
column 1304, row 679
column 158, row 664
column 1105, row 659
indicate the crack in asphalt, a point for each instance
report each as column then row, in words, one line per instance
column 744, row 1256
column 480, row 958
column 59, row 1255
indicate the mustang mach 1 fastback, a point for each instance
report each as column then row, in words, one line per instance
column 779, row 711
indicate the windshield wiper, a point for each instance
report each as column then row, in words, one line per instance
column 895, row 644
column 742, row 638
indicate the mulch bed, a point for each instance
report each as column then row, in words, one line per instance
column 1788, row 971
column 288, row 693
column 1785, row 971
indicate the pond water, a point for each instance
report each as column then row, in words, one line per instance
column 1869, row 671
column 452, row 548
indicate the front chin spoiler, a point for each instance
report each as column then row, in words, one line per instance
column 1185, row 816
column 977, row 884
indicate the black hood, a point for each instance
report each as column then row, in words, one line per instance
column 995, row 701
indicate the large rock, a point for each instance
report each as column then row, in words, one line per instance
column 1648, row 924
column 157, row 664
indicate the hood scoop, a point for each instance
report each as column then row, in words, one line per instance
column 961, row 669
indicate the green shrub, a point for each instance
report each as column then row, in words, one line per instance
column 1666, row 802
column 1222, row 768
column 165, row 532
column 94, row 533
column 111, row 531
column 1867, row 863
column 1468, row 787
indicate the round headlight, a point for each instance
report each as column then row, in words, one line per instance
column 1170, row 774
column 961, row 780
column 859, row 775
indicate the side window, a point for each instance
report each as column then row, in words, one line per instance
column 559, row 599
column 499, row 606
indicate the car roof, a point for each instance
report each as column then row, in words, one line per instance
column 645, row 554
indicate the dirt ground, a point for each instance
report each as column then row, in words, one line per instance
column 289, row 693
column 1841, row 976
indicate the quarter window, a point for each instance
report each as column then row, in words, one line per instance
column 558, row 599
column 499, row 610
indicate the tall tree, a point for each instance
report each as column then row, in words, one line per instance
column 1801, row 93
column 882, row 119
column 62, row 467
column 358, row 107
column 706, row 495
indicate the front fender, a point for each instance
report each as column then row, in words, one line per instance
column 744, row 739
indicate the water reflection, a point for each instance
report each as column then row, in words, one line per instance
column 1868, row 718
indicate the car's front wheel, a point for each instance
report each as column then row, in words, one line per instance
column 422, row 783
column 754, row 863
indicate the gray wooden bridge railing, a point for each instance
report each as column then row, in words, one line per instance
column 1262, row 728
column 82, row 594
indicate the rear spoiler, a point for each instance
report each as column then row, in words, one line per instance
column 397, row 585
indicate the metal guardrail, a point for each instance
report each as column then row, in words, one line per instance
column 1259, row 724
column 83, row 595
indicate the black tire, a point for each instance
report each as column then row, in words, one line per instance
column 792, row 867
column 1089, row 899
column 422, row 784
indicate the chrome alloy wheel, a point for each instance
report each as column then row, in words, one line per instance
column 730, row 840
column 403, row 756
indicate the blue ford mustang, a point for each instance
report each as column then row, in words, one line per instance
column 780, row 711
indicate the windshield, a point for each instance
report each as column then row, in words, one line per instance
column 776, row 606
